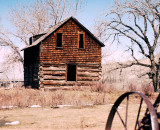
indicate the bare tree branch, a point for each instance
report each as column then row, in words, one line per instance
column 138, row 21
column 35, row 18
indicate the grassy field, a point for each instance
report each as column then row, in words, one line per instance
column 89, row 113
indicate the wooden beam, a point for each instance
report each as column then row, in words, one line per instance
column 87, row 74
column 55, row 73
column 54, row 68
column 89, row 70
column 58, row 83
column 50, row 77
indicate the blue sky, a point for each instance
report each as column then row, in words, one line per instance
column 92, row 11
column 88, row 15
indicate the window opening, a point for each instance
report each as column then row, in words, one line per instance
column 81, row 41
column 59, row 39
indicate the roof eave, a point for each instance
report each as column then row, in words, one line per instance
column 47, row 34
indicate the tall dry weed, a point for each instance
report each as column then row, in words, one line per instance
column 101, row 88
column 147, row 89
column 131, row 87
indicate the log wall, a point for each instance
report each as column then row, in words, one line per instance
column 55, row 75
column 46, row 65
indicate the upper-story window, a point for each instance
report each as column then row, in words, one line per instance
column 81, row 40
column 59, row 40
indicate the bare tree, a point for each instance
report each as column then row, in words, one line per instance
column 15, row 56
column 139, row 22
column 32, row 19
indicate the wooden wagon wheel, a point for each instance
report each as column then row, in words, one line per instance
column 150, row 113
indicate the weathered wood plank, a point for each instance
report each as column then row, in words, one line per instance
column 58, row 83
column 59, row 73
column 55, row 73
column 50, row 77
column 44, row 64
column 47, row 72
column 50, row 63
column 54, row 68
column 89, row 70
column 89, row 65
column 87, row 74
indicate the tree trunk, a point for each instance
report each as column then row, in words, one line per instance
column 155, row 77
column 155, row 84
column 154, row 72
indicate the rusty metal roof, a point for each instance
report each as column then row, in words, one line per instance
column 57, row 26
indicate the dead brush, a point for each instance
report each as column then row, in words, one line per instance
column 132, row 87
column 27, row 97
column 98, row 87
column 147, row 89
column 102, row 88
column 21, row 97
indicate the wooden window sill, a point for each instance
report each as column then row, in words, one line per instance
column 81, row 48
column 59, row 48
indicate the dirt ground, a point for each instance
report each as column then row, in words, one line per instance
column 60, row 118
column 81, row 118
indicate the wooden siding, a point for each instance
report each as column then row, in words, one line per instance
column 70, row 52
column 45, row 65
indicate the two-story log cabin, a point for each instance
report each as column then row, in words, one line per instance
column 67, row 54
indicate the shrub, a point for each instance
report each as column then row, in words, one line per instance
column 132, row 87
column 147, row 89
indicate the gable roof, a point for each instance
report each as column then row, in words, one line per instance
column 57, row 26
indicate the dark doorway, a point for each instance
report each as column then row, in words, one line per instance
column 71, row 73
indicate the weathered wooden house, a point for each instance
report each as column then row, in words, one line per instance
column 67, row 54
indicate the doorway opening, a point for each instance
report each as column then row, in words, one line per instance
column 71, row 73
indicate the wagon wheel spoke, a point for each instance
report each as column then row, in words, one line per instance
column 121, row 118
column 126, row 110
column 137, row 123
column 150, row 110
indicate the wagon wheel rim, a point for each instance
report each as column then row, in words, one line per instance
column 150, row 109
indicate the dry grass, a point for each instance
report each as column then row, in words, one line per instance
column 62, row 118
column 81, row 115
column 26, row 97
column 75, row 117
column 90, row 109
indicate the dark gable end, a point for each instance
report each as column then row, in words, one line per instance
column 59, row 25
